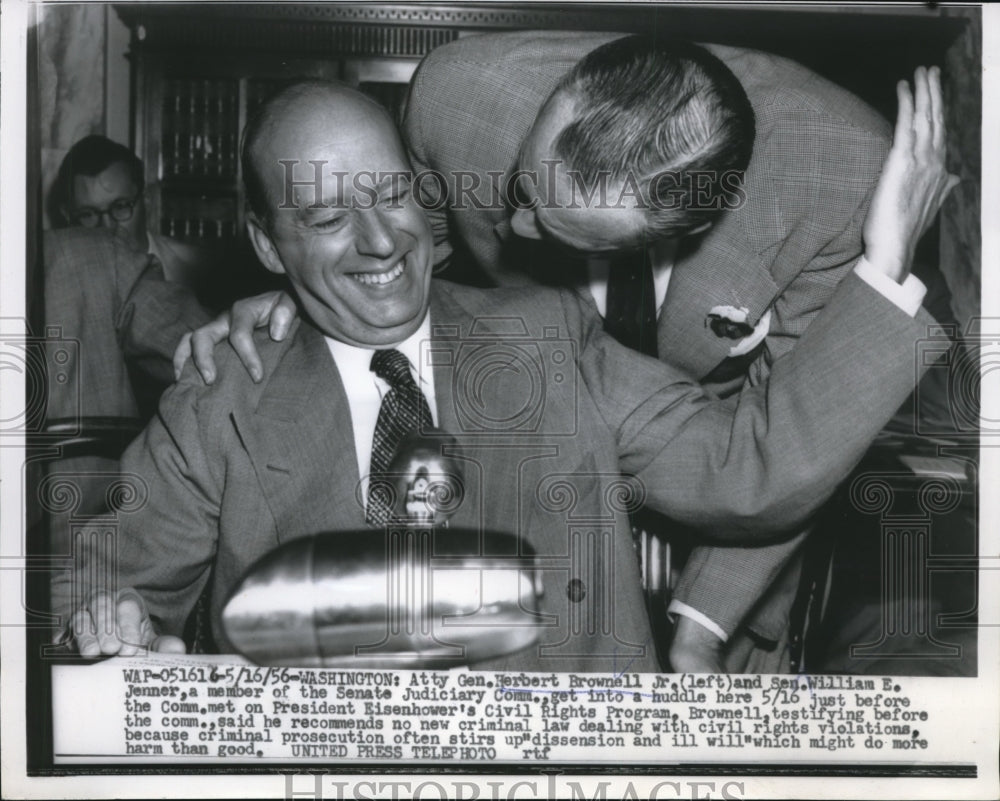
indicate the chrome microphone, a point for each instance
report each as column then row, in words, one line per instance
column 418, row 594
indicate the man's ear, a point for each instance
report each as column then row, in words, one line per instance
column 263, row 246
column 523, row 223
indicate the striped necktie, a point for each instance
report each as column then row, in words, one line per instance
column 404, row 410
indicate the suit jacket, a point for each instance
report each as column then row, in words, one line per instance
column 817, row 154
column 111, row 306
column 183, row 262
column 216, row 277
column 235, row 469
column 114, row 302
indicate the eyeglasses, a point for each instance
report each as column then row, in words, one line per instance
column 119, row 211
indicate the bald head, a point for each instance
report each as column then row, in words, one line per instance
column 331, row 208
column 302, row 117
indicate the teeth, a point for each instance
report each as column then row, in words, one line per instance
column 378, row 279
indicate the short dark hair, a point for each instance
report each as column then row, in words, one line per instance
column 90, row 156
column 648, row 106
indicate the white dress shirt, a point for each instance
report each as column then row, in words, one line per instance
column 365, row 390
column 597, row 270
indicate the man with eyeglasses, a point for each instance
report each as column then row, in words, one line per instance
column 101, row 184
column 105, row 289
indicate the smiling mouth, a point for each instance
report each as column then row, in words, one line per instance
column 381, row 279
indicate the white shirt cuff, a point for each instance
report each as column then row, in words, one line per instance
column 907, row 295
column 680, row 608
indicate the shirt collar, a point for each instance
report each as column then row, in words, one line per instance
column 154, row 246
column 354, row 360
column 597, row 274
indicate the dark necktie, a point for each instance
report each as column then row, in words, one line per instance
column 631, row 303
column 404, row 410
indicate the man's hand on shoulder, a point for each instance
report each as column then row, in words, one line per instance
column 914, row 180
column 276, row 310
column 118, row 624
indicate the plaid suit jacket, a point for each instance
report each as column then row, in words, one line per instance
column 817, row 155
column 234, row 469
column 114, row 302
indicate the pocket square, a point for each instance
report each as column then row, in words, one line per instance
column 731, row 323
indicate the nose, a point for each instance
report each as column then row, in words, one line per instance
column 376, row 236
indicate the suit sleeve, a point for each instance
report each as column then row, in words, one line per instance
column 153, row 313
column 761, row 461
column 433, row 195
column 824, row 218
column 821, row 250
column 726, row 584
column 165, row 549
column 807, row 295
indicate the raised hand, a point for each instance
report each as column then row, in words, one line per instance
column 914, row 180
column 276, row 310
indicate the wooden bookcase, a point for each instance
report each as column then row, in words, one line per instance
column 198, row 72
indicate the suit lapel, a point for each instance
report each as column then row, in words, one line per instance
column 720, row 269
column 446, row 332
column 301, row 442
column 450, row 326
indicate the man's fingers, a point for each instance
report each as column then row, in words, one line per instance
column 243, row 344
column 937, row 108
column 103, row 611
column 247, row 315
column 281, row 316
column 203, row 342
column 84, row 634
column 168, row 644
column 181, row 354
column 903, row 137
column 922, row 125
column 921, row 93
column 113, row 624
column 134, row 629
